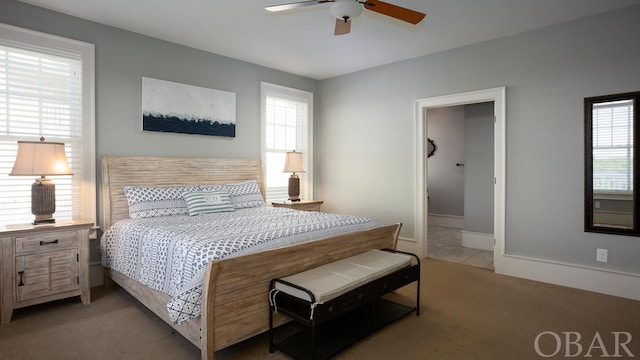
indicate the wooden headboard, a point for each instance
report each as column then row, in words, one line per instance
column 121, row 171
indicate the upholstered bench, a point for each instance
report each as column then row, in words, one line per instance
column 339, row 303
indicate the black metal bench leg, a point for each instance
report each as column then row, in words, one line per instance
column 313, row 340
column 418, row 297
column 271, row 347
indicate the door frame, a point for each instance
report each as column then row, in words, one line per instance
column 422, row 106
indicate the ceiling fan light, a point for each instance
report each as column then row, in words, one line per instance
column 346, row 9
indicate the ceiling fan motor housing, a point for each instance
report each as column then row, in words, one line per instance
column 346, row 9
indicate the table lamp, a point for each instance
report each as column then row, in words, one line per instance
column 293, row 163
column 41, row 158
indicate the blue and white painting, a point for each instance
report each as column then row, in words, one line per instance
column 178, row 108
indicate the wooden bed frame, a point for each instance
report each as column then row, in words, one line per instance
column 235, row 295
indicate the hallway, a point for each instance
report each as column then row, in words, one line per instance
column 445, row 243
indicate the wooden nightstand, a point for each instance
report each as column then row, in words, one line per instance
column 41, row 263
column 305, row 205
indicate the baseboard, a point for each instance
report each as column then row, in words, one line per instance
column 451, row 221
column 477, row 240
column 409, row 245
column 616, row 283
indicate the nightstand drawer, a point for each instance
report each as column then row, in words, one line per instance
column 46, row 242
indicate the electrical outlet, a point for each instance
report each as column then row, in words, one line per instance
column 602, row 255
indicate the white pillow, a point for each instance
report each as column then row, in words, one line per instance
column 145, row 202
column 205, row 202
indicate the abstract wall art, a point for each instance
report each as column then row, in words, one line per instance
column 179, row 108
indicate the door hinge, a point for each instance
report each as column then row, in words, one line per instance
column 77, row 257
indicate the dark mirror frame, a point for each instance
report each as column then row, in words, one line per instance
column 588, row 164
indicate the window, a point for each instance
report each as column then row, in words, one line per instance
column 46, row 89
column 286, row 126
column 613, row 146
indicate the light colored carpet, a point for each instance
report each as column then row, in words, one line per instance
column 467, row 313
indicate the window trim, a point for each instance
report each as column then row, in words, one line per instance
column 266, row 89
column 39, row 41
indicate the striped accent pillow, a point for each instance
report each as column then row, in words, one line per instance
column 204, row 202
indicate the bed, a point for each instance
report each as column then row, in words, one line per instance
column 235, row 303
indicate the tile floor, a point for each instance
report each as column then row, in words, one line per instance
column 445, row 243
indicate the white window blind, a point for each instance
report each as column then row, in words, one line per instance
column 613, row 146
column 42, row 94
column 286, row 127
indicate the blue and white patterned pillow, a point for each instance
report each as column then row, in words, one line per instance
column 243, row 195
column 146, row 202
column 205, row 202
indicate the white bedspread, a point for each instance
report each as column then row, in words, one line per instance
column 170, row 254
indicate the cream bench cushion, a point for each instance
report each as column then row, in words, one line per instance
column 331, row 280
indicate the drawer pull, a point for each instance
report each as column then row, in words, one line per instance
column 21, row 273
column 48, row 242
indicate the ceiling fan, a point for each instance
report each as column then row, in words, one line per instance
column 345, row 10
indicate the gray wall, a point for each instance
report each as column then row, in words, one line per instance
column 478, row 168
column 446, row 181
column 546, row 72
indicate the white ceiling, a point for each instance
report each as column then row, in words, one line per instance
column 301, row 41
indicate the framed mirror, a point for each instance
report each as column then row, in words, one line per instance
column 611, row 168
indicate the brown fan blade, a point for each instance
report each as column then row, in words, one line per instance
column 342, row 27
column 295, row 5
column 394, row 11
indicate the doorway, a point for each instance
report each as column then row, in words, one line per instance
column 460, row 184
column 422, row 106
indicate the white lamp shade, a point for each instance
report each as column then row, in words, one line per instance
column 41, row 158
column 293, row 162
column 349, row 9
